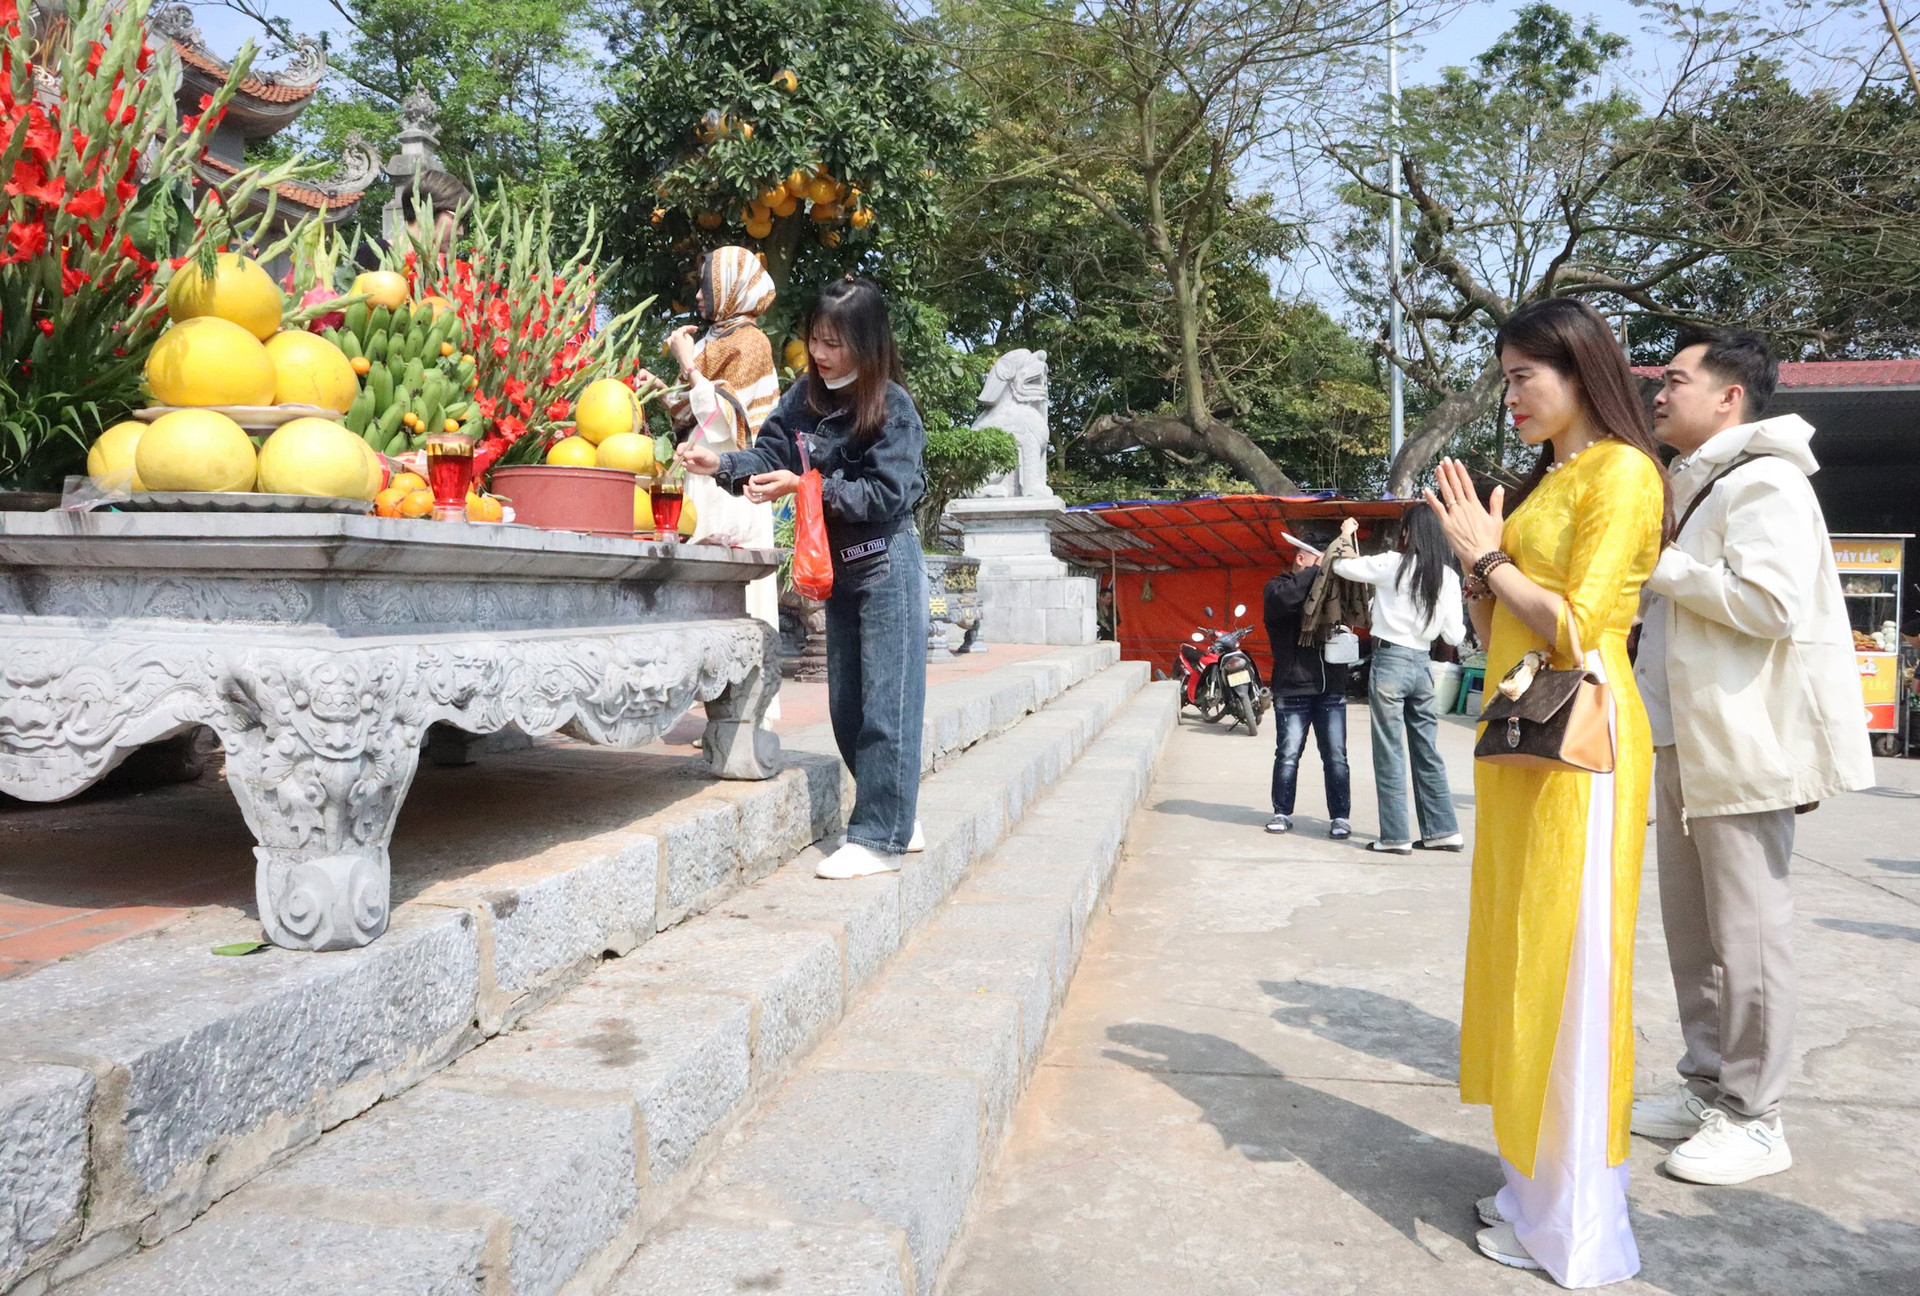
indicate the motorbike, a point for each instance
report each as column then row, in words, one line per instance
column 1217, row 677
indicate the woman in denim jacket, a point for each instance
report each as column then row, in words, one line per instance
column 862, row 431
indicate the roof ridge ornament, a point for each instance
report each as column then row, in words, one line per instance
column 306, row 68
column 176, row 22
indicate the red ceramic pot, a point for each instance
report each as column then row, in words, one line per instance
column 598, row 501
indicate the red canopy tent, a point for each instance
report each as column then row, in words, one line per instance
column 1165, row 562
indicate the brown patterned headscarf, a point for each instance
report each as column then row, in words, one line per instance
column 734, row 354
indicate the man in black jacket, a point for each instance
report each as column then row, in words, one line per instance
column 1308, row 693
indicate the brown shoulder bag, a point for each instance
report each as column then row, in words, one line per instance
column 1559, row 721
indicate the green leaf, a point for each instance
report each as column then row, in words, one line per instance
column 239, row 948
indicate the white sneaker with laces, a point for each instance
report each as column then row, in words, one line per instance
column 917, row 842
column 1674, row 1115
column 1730, row 1151
column 1488, row 1209
column 856, row 861
column 1499, row 1242
column 1390, row 848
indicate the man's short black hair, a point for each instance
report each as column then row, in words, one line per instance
column 1736, row 356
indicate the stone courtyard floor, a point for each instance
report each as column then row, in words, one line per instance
column 118, row 861
column 1251, row 1087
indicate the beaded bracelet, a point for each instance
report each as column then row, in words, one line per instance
column 1475, row 590
column 1492, row 558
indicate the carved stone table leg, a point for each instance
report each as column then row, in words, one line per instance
column 321, row 749
column 737, row 747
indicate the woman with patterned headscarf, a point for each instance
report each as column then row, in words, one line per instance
column 731, row 388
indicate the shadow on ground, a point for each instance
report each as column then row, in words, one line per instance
column 1896, row 865
column 1877, row 930
column 1375, row 1024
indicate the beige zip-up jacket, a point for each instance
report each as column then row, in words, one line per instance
column 1762, row 680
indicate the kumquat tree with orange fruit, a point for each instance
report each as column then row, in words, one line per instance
column 805, row 129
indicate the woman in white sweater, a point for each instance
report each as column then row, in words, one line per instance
column 1416, row 599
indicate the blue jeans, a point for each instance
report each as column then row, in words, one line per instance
column 1326, row 715
column 877, row 686
column 1406, row 721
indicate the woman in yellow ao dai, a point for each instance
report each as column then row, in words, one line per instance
column 1546, row 1032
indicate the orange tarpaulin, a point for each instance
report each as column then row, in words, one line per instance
column 1166, row 562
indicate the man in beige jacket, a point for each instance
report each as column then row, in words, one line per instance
column 1747, row 668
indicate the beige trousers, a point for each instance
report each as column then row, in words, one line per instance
column 1727, row 905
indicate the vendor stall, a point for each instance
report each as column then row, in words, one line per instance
column 1872, row 577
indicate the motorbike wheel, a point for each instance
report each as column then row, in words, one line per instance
column 1212, row 703
column 1249, row 714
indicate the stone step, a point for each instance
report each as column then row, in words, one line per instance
column 151, row 1079
column 660, row 1051
column 855, row 1176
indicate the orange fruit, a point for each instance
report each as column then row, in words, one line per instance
column 659, row 216
column 361, row 365
column 484, row 508
column 862, row 218
column 830, row 238
column 446, row 348
column 786, row 80
column 825, row 213
column 822, row 191
column 796, row 185
column 387, row 502
column 408, row 482
column 450, row 425
column 710, row 220
column 417, row 504
column 759, row 228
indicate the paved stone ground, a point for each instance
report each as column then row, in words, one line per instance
column 1251, row 1088
column 118, row 861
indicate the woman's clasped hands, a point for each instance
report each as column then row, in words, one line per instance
column 1472, row 529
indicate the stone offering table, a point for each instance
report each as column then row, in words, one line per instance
column 320, row 647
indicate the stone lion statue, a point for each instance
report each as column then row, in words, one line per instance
column 1015, row 395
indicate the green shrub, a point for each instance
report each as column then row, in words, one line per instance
column 959, row 460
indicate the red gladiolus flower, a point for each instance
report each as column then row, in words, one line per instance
column 90, row 205
column 206, row 102
column 500, row 348
column 512, row 428
column 43, row 137
column 71, row 281
column 9, row 11
column 30, row 181
column 128, row 114
column 558, row 410
column 146, row 56
column 26, row 239
column 80, row 141
column 45, row 326
column 94, row 54
column 125, row 191
column 190, row 123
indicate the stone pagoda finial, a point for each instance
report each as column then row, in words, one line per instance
column 175, row 22
column 415, row 170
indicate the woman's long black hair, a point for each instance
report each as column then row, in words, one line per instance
column 857, row 310
column 1424, row 557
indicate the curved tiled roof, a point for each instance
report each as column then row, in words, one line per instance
column 335, row 203
column 253, row 87
column 1834, row 374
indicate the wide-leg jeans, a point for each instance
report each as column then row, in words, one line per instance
column 1326, row 715
column 877, row 686
column 1406, row 724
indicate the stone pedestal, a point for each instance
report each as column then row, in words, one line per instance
column 322, row 649
column 1026, row 594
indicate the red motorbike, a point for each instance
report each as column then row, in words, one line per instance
column 1217, row 677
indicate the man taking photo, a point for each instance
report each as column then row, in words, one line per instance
column 1746, row 665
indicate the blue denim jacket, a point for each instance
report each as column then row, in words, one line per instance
column 869, row 488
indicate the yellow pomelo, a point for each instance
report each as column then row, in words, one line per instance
column 309, row 370
column 794, row 353
column 687, row 517
column 382, row 287
column 241, row 292
column 608, row 406
column 376, row 472
column 315, row 456
column 573, row 452
column 642, row 509
column 195, row 450
column 627, row 450
column 110, row 461
column 209, row 361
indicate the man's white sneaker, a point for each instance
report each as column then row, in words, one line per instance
column 1675, row 1115
column 1729, row 1151
column 1499, row 1242
column 917, row 842
column 1488, row 1209
column 856, row 861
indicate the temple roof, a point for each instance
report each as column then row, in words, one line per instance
column 336, row 203
column 267, row 92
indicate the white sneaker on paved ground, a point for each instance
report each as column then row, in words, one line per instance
column 1488, row 1209
column 1451, row 842
column 1390, row 848
column 856, row 861
column 1280, row 824
column 1499, row 1242
column 1730, row 1151
column 1339, row 830
column 917, row 842
column 1674, row 1115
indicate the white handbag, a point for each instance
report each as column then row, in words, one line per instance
column 1342, row 647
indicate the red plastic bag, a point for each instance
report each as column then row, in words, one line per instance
column 812, row 556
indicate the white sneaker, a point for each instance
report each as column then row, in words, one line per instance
column 917, row 842
column 1675, row 1115
column 1451, row 842
column 1390, row 848
column 1729, row 1151
column 1499, row 1242
column 856, row 861
column 1488, row 1209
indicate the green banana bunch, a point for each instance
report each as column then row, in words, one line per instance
column 414, row 368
